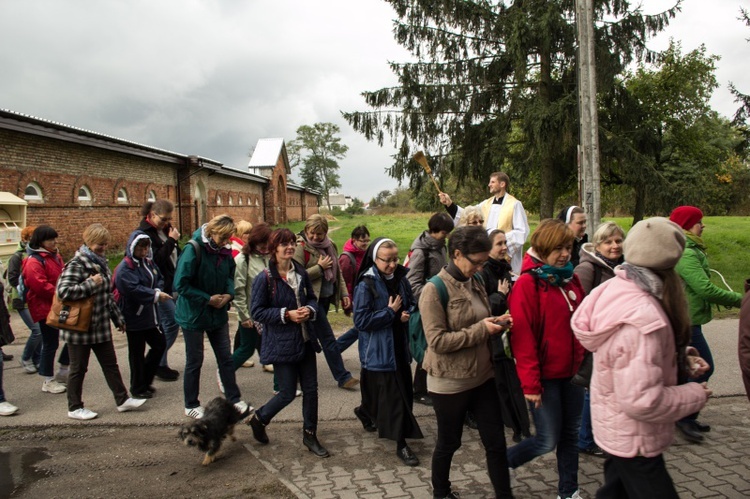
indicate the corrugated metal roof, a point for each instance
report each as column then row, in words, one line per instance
column 90, row 133
column 266, row 153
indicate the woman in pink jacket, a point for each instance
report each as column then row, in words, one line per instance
column 638, row 327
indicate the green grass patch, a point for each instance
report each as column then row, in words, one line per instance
column 727, row 239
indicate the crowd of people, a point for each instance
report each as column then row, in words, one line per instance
column 598, row 343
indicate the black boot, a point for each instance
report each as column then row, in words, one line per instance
column 259, row 429
column 311, row 442
column 367, row 423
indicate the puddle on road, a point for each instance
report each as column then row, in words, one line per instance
column 17, row 469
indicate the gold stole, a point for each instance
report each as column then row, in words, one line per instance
column 505, row 219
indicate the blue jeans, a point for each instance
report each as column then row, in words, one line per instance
column 347, row 339
column 169, row 327
column 306, row 372
column 33, row 349
column 556, row 423
column 698, row 341
column 586, row 433
column 219, row 339
column 50, row 342
column 329, row 345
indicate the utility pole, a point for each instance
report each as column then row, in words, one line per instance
column 588, row 150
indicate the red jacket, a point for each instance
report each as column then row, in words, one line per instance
column 542, row 340
column 41, row 281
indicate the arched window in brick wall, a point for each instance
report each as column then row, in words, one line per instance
column 151, row 196
column 122, row 195
column 231, row 201
column 33, row 192
column 84, row 193
column 218, row 199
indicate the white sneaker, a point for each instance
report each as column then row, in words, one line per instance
column 218, row 380
column 131, row 404
column 298, row 393
column 53, row 386
column 195, row 412
column 576, row 495
column 28, row 366
column 248, row 363
column 243, row 408
column 267, row 367
column 6, row 408
column 83, row 414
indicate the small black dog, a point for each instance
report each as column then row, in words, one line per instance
column 208, row 432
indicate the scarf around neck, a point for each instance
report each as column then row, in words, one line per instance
column 610, row 263
column 645, row 279
column 99, row 260
column 325, row 247
column 697, row 240
column 213, row 248
column 556, row 276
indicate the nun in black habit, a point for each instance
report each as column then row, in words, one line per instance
column 383, row 301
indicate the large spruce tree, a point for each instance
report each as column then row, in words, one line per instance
column 493, row 86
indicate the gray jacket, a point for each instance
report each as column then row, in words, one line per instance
column 428, row 257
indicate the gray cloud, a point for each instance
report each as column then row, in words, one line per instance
column 212, row 77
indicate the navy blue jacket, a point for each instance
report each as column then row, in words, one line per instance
column 137, row 283
column 374, row 320
column 282, row 339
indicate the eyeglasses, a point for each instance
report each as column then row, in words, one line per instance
column 393, row 261
column 364, row 241
column 165, row 219
column 475, row 263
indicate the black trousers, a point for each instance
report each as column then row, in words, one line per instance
column 79, row 365
column 636, row 477
column 420, row 381
column 143, row 369
column 450, row 411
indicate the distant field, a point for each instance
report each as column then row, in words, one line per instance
column 727, row 238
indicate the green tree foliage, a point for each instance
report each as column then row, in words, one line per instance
column 742, row 114
column 356, row 208
column 661, row 137
column 493, row 87
column 318, row 148
column 380, row 199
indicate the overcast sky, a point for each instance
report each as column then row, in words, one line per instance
column 211, row 77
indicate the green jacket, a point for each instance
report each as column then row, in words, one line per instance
column 244, row 275
column 195, row 285
column 701, row 292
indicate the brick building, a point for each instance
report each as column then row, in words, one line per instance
column 72, row 177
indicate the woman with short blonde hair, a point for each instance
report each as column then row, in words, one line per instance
column 87, row 275
column 204, row 281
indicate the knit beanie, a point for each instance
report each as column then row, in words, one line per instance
column 655, row 243
column 686, row 216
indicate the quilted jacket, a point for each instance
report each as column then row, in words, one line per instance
column 635, row 399
column 271, row 298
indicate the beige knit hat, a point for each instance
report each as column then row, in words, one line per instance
column 655, row 243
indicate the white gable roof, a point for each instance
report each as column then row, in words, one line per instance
column 266, row 153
